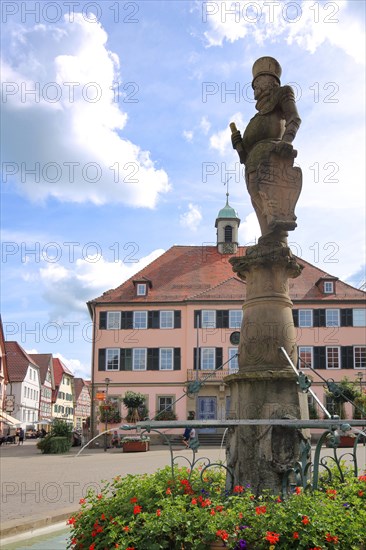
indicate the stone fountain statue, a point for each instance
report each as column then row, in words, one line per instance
column 265, row 386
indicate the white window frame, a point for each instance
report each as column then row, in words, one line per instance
column 307, row 320
column 166, row 359
column 168, row 322
column 140, row 322
column 327, row 349
column 210, row 321
column 233, row 361
column 232, row 314
column 113, row 320
column 306, row 350
column 361, row 322
column 141, row 289
column 328, row 287
column 109, row 352
column 166, row 407
column 329, row 322
column 208, row 356
column 361, row 352
column 137, row 360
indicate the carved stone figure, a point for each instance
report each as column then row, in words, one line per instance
column 266, row 150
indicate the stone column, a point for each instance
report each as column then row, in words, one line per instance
column 266, row 386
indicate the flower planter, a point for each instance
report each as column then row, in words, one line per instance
column 346, row 441
column 135, row 446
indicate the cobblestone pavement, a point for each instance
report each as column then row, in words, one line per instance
column 39, row 489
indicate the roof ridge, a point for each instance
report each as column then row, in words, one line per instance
column 216, row 286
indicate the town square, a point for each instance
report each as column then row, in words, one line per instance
column 183, row 329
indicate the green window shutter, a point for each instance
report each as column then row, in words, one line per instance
column 347, row 357
column 152, row 359
column 177, row 318
column 222, row 318
column 319, row 317
column 319, row 357
column 103, row 320
column 218, row 361
column 153, row 319
column 125, row 362
column 295, row 316
column 101, row 359
column 126, row 320
column 197, row 313
column 177, row 359
column 346, row 318
column 195, row 359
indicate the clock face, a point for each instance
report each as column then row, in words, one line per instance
column 235, row 338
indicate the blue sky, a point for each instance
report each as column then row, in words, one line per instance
column 122, row 149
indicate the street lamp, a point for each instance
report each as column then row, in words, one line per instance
column 360, row 376
column 106, row 381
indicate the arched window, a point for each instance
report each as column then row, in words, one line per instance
column 228, row 231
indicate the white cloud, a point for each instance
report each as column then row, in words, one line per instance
column 249, row 230
column 221, row 140
column 188, row 135
column 78, row 369
column 71, row 129
column 305, row 23
column 205, row 125
column 192, row 218
column 68, row 290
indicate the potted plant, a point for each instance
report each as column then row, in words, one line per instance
column 134, row 402
column 135, row 444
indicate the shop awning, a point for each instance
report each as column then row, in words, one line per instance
column 4, row 417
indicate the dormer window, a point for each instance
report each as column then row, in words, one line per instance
column 328, row 287
column 141, row 289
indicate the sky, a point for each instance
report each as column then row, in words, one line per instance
column 116, row 144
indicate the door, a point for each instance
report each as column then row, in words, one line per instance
column 207, row 410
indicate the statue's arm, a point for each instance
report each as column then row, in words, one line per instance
column 290, row 113
column 237, row 143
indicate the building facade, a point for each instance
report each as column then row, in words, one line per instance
column 63, row 397
column 82, row 403
column 45, row 363
column 24, row 384
column 175, row 321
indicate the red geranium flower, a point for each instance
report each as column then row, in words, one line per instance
column 224, row 535
column 137, row 509
column 260, row 510
column 82, row 501
column 194, row 501
column 238, row 489
column 102, row 517
column 212, row 512
column 360, row 493
column 298, row 490
column 168, row 491
column 133, row 500
column 296, row 535
column 331, row 538
column 272, row 537
column 158, row 512
column 126, row 528
column 71, row 521
column 92, row 546
column 305, row 520
column 99, row 496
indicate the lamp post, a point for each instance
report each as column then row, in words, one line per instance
column 106, row 381
column 360, row 376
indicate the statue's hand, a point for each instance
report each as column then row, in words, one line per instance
column 284, row 149
column 236, row 139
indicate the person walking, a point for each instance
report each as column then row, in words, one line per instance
column 21, row 436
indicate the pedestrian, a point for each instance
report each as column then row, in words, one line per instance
column 16, row 438
column 115, row 439
column 21, row 436
column 189, row 433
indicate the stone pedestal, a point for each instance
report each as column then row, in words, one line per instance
column 266, row 386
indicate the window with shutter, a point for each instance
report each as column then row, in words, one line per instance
column 166, row 359
column 359, row 357
column 333, row 359
column 305, row 357
column 166, row 319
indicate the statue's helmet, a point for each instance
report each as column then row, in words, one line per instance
column 267, row 65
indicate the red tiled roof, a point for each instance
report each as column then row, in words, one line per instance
column 43, row 360
column 18, row 361
column 79, row 383
column 59, row 369
column 200, row 273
